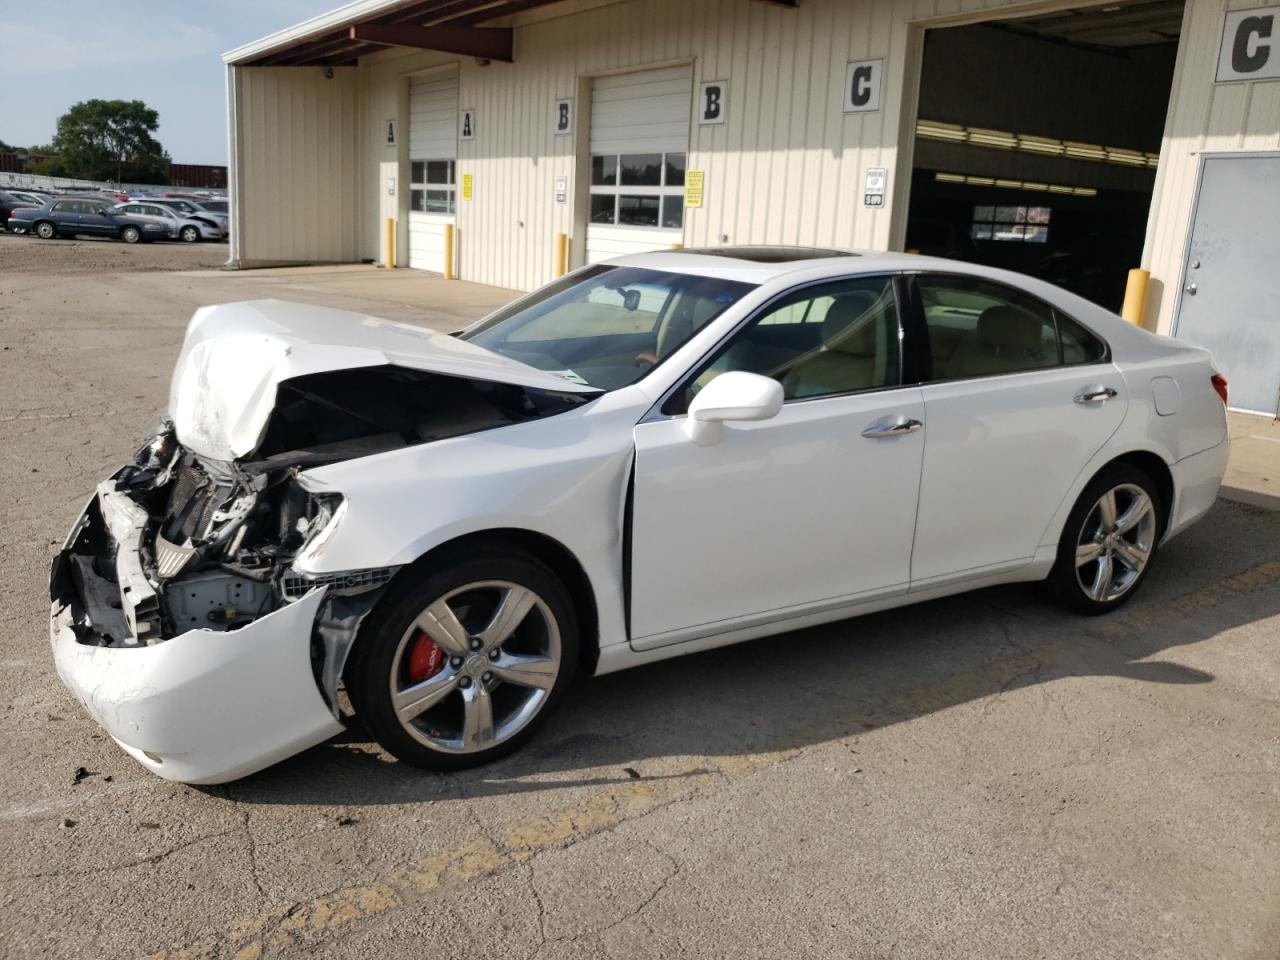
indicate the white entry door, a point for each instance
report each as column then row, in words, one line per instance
column 433, row 154
column 639, row 143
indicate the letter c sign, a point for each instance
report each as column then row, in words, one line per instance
column 1250, row 46
column 862, row 80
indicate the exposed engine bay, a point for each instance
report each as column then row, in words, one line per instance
column 175, row 542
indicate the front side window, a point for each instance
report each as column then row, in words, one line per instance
column 65, row 206
column 977, row 328
column 820, row 341
column 638, row 189
column 431, row 186
column 606, row 326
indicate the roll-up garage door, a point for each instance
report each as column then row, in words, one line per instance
column 639, row 142
column 433, row 154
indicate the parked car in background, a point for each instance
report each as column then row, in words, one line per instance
column 10, row 201
column 177, row 226
column 75, row 216
column 649, row 457
column 196, row 211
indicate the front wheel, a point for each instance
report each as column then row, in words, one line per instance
column 189, row 234
column 1109, row 541
column 130, row 234
column 462, row 660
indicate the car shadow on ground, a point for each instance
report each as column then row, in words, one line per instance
column 821, row 684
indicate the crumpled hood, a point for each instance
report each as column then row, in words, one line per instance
column 235, row 355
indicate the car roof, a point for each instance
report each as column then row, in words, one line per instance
column 760, row 264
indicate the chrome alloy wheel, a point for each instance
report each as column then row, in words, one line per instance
column 475, row 666
column 1115, row 543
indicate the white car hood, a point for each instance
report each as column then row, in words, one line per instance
column 235, row 355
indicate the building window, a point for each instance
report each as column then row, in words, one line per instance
column 1015, row 224
column 431, row 186
column 638, row 190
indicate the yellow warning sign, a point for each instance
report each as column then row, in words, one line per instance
column 693, row 188
column 466, row 186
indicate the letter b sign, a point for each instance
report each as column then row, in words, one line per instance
column 711, row 102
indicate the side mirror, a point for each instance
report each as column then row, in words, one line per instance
column 736, row 395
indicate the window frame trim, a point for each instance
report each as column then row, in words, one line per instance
column 896, row 279
column 916, row 335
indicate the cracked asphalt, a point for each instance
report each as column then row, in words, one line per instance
column 982, row 776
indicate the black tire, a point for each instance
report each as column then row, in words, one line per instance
column 1084, row 531
column 45, row 230
column 130, row 234
column 189, row 234
column 368, row 673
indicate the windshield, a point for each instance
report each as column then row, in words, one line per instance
column 215, row 206
column 606, row 326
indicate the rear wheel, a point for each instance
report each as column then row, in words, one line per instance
column 46, row 230
column 464, row 659
column 1109, row 541
column 130, row 234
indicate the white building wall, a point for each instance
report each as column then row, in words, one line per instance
column 787, row 166
column 294, row 160
column 1204, row 117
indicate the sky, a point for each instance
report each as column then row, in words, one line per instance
column 166, row 53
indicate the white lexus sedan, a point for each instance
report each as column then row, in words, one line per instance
column 649, row 457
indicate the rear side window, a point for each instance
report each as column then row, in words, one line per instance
column 977, row 328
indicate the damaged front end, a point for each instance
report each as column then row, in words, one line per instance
column 189, row 613
column 181, row 624
column 174, row 542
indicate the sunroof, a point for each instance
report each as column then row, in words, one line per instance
column 764, row 254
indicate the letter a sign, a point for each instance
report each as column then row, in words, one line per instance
column 712, row 102
column 468, row 131
column 862, row 85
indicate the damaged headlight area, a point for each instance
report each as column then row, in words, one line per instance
column 174, row 542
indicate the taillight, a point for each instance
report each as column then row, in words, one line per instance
column 1220, row 384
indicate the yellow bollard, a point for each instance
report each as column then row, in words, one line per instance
column 562, row 248
column 391, row 243
column 1135, row 296
column 448, row 251
column 677, row 246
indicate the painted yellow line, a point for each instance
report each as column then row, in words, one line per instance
column 299, row 923
column 1198, row 601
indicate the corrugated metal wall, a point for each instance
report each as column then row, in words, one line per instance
column 788, row 164
column 298, row 163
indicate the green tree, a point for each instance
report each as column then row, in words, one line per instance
column 111, row 140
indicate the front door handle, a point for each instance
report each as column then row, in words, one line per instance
column 882, row 430
column 1094, row 395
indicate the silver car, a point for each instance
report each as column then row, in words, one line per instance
column 195, row 211
column 176, row 226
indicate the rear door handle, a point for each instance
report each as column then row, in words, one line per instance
column 882, row 430
column 1094, row 395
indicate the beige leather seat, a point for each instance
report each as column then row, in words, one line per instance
column 847, row 358
column 1006, row 339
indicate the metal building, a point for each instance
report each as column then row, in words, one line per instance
column 1068, row 139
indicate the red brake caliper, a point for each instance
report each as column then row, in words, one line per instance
column 426, row 659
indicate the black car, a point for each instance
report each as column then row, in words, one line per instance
column 70, row 217
column 10, row 202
